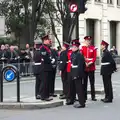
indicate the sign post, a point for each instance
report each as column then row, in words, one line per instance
column 10, row 73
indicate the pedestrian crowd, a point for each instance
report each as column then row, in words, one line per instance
column 21, row 58
column 76, row 66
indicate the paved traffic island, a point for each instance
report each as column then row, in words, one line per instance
column 30, row 103
column 97, row 91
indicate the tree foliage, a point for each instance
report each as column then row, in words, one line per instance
column 30, row 18
column 22, row 18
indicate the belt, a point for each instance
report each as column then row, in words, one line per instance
column 37, row 63
column 68, row 61
column 106, row 63
column 74, row 66
column 61, row 61
column 89, row 58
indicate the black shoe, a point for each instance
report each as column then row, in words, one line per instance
column 103, row 99
column 62, row 97
column 79, row 106
column 38, row 97
column 61, row 94
column 94, row 99
column 107, row 101
column 76, row 100
column 46, row 99
column 53, row 95
column 69, row 103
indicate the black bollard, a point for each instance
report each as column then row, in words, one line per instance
column 18, row 86
column 1, row 86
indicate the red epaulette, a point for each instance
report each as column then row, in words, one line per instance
column 47, row 49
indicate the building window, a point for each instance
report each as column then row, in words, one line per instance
column 97, row 0
column 110, row 1
column 118, row 2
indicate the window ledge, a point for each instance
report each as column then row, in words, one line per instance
column 118, row 6
column 88, row 2
column 98, row 3
column 110, row 5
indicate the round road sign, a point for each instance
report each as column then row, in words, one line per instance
column 73, row 8
column 9, row 73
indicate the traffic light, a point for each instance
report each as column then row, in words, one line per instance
column 80, row 5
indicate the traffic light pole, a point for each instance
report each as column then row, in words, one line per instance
column 77, row 25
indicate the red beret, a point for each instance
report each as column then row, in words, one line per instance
column 45, row 37
column 76, row 43
column 66, row 45
column 88, row 38
column 104, row 43
column 75, row 40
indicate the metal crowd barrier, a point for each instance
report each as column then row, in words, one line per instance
column 25, row 69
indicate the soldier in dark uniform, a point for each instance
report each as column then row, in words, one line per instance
column 37, row 70
column 77, row 73
column 108, row 66
column 54, row 56
column 47, row 63
column 63, row 69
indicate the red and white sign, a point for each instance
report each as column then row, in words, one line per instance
column 73, row 8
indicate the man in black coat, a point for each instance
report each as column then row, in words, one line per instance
column 54, row 55
column 77, row 73
column 38, row 70
column 108, row 66
column 63, row 69
column 47, row 65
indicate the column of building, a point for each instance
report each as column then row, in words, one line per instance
column 105, row 24
column 97, row 35
column 118, row 37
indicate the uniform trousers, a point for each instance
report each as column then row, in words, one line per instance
column 45, row 83
column 108, row 86
column 64, row 82
column 76, row 87
column 91, row 75
column 71, row 88
column 52, row 81
column 37, row 84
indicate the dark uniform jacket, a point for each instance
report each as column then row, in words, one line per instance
column 108, row 65
column 54, row 55
column 47, row 58
column 78, row 65
column 63, row 61
column 37, row 65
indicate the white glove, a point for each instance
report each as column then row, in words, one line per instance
column 2, row 58
column 27, row 57
column 53, row 61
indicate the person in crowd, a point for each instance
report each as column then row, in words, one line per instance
column 89, row 52
column 37, row 70
column 114, row 52
column 77, row 73
column 28, row 58
column 108, row 66
column 22, row 55
column 47, row 69
column 63, row 69
column 3, row 56
column 54, row 55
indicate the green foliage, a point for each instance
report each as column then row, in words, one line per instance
column 19, row 15
column 6, row 40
